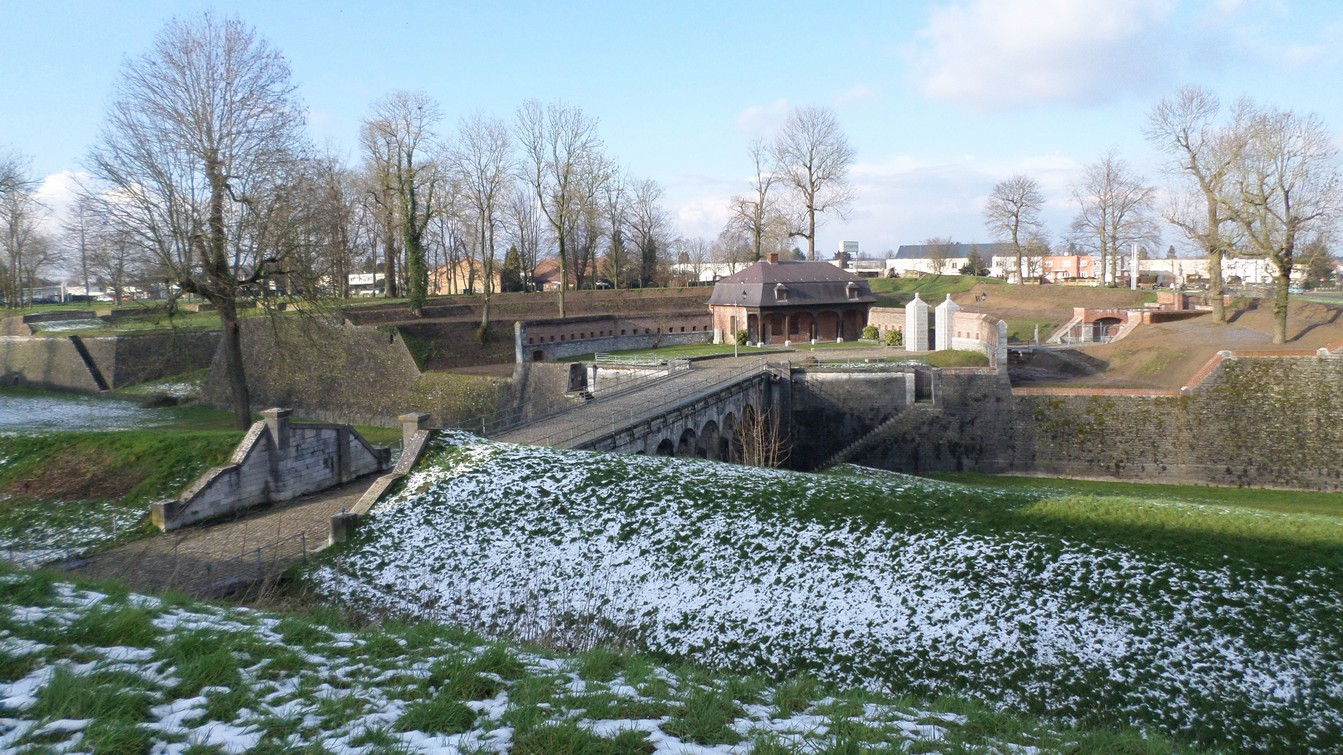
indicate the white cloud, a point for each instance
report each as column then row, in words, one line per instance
column 762, row 120
column 855, row 94
column 57, row 193
column 1000, row 54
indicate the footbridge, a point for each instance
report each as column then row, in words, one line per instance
column 693, row 412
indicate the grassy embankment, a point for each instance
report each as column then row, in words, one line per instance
column 92, row 667
column 1211, row 624
column 66, row 492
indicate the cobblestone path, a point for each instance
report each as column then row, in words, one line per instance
column 215, row 558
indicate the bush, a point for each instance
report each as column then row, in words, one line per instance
column 870, row 333
column 895, row 337
column 741, row 337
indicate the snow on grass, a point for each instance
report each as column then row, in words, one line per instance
column 234, row 680
column 767, row 572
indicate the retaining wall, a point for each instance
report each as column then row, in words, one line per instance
column 276, row 461
column 1263, row 421
column 113, row 361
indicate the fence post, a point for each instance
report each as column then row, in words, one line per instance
column 303, row 541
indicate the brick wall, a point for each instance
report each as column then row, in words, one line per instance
column 574, row 336
column 276, row 461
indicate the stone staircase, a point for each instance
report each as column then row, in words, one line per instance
column 907, row 417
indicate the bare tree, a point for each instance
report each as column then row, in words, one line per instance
column 1285, row 187
column 732, row 248
column 813, row 157
column 648, row 224
column 26, row 249
column 757, row 213
column 400, row 132
column 616, row 204
column 202, row 133
column 762, row 440
column 565, row 168
column 1204, row 154
column 940, row 251
column 1115, row 210
column 483, row 167
column 380, row 204
column 525, row 230
column 695, row 254
column 1013, row 210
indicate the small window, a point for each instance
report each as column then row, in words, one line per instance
column 622, row 331
column 852, row 289
column 780, row 292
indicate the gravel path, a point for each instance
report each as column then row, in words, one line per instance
column 211, row 559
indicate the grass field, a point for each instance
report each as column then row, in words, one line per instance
column 897, row 292
column 93, row 668
column 1213, row 625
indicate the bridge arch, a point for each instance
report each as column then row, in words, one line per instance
column 687, row 446
column 666, row 448
column 710, row 441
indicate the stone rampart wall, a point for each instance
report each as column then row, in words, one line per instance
column 1253, row 421
column 276, row 461
column 55, row 361
column 831, row 409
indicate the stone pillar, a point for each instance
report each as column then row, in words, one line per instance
column 410, row 424
column 277, row 424
column 916, row 325
column 342, row 525
column 518, row 355
column 945, row 323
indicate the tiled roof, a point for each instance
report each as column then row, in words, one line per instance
column 807, row 283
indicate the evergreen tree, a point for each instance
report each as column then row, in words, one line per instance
column 510, row 278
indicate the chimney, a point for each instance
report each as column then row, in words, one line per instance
column 773, row 258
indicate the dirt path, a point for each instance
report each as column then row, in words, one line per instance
column 211, row 559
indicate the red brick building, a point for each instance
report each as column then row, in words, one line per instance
column 789, row 301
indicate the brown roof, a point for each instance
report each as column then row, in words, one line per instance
column 808, row 283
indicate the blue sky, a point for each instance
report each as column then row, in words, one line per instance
column 939, row 99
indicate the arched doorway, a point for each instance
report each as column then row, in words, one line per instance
column 827, row 326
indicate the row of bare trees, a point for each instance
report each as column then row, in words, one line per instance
column 24, row 249
column 205, row 181
column 1248, row 181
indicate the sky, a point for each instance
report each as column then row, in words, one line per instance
column 940, row 100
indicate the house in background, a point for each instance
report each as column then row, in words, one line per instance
column 920, row 258
column 778, row 302
column 463, row 277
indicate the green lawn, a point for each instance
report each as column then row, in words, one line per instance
column 1283, row 501
column 897, row 292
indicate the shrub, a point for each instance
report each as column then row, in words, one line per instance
column 895, row 337
column 870, row 333
column 741, row 337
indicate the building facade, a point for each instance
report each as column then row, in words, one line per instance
column 778, row 302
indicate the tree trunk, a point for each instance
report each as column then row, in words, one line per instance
column 564, row 275
column 811, row 233
column 233, row 363
column 1280, row 296
column 1216, row 286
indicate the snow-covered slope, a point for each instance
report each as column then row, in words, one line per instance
column 869, row 578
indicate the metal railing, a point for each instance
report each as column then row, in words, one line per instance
column 249, row 568
column 496, row 423
column 686, row 390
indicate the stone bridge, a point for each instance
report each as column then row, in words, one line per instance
column 692, row 413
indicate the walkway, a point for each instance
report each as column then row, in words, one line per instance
column 214, row 559
column 586, row 422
